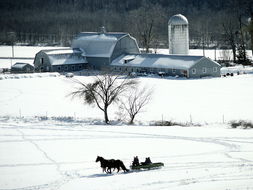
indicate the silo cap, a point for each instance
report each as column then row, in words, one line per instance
column 178, row 20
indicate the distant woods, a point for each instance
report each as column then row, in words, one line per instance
column 213, row 23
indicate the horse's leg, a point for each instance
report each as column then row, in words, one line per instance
column 108, row 170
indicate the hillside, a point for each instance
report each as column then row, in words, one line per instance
column 202, row 100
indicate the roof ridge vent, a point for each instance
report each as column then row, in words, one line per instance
column 102, row 30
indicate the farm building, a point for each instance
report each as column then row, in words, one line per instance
column 178, row 35
column 60, row 60
column 101, row 48
column 170, row 65
column 120, row 52
column 22, row 68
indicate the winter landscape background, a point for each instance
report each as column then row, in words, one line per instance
column 50, row 141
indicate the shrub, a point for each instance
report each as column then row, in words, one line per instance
column 167, row 123
column 241, row 123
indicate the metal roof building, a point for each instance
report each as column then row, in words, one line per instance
column 60, row 60
column 120, row 52
column 22, row 68
column 171, row 65
column 101, row 48
column 178, row 35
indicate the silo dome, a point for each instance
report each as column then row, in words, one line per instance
column 178, row 20
column 178, row 34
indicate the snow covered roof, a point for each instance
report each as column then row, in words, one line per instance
column 62, row 51
column 97, row 44
column 65, row 60
column 19, row 65
column 157, row 61
column 178, row 20
column 65, row 56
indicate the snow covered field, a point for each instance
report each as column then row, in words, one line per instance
column 51, row 155
column 211, row 100
column 50, row 142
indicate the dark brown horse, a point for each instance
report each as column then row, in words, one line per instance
column 107, row 165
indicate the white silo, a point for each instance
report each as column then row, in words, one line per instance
column 178, row 31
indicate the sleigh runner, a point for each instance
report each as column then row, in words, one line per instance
column 148, row 166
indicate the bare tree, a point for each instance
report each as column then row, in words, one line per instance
column 103, row 91
column 135, row 102
column 230, row 36
column 144, row 23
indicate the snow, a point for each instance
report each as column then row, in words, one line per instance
column 19, row 65
column 237, row 69
column 200, row 100
column 48, row 155
column 96, row 44
column 67, row 59
column 157, row 61
column 50, row 141
column 23, row 51
column 63, row 51
column 210, row 53
column 7, row 63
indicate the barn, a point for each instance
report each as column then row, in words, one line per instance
column 169, row 65
column 120, row 52
column 60, row 60
column 101, row 48
column 22, row 68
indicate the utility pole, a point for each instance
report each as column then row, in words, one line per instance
column 12, row 36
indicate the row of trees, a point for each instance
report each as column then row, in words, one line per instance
column 108, row 89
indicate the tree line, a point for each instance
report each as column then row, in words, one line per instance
column 212, row 23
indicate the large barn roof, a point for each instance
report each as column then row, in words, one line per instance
column 97, row 44
column 157, row 61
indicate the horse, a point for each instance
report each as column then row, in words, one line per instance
column 107, row 165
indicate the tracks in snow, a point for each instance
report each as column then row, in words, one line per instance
column 229, row 144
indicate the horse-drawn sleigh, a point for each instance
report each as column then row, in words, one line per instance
column 108, row 165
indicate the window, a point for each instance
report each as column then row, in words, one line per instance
column 173, row 70
column 215, row 69
column 41, row 61
column 204, row 70
column 194, row 71
column 59, row 68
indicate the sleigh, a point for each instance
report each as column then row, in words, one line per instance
column 147, row 166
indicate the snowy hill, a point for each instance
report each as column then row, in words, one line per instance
column 208, row 100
